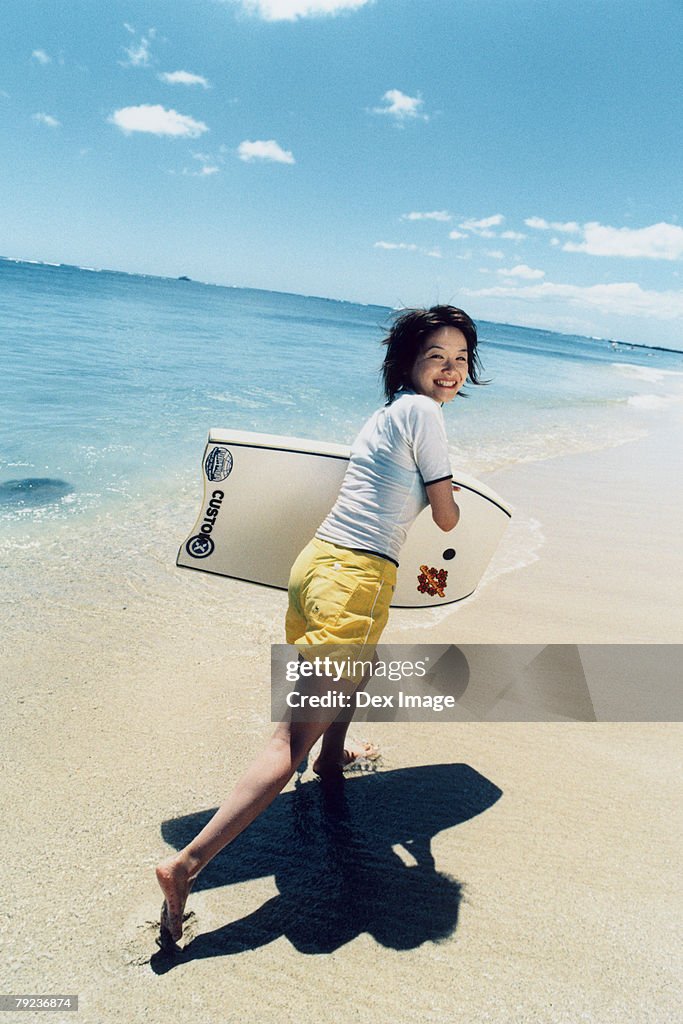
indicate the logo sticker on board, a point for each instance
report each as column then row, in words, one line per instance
column 432, row 581
column 218, row 464
column 200, row 546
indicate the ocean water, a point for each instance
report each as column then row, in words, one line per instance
column 111, row 381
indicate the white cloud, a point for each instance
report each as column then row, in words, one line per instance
column 515, row 236
column 138, row 55
column 568, row 228
column 657, row 242
column 435, row 253
column 264, row 150
column 204, row 172
column 290, row 10
column 457, row 234
column 495, row 254
column 483, row 227
column 156, row 120
column 524, row 272
column 183, row 78
column 138, row 52
column 407, row 246
column 623, row 299
column 48, row 120
column 41, row 56
column 441, row 215
column 401, row 106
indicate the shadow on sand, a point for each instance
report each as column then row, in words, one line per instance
column 331, row 849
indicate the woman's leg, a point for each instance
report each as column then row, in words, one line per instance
column 334, row 754
column 256, row 789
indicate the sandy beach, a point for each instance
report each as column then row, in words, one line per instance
column 517, row 873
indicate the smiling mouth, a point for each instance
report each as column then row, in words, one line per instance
column 446, row 383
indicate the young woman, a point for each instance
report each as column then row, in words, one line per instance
column 341, row 584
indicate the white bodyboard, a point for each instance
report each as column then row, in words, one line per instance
column 265, row 497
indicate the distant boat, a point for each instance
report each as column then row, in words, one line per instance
column 184, row 278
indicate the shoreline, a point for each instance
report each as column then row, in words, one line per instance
column 591, row 555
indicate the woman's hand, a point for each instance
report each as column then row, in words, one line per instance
column 445, row 512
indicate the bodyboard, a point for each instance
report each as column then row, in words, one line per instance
column 265, row 496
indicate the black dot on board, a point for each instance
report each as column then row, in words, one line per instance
column 448, row 554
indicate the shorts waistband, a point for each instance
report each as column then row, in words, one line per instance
column 382, row 564
column 375, row 554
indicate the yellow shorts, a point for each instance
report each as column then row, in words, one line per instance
column 339, row 597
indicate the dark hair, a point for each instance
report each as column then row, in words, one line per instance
column 409, row 329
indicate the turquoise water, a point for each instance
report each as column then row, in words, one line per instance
column 111, row 381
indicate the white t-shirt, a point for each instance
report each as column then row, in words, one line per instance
column 401, row 449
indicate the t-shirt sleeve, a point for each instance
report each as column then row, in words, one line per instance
column 427, row 435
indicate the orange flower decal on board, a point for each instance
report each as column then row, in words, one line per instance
column 432, row 581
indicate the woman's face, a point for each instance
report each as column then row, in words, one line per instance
column 440, row 369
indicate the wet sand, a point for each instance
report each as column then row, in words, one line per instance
column 488, row 872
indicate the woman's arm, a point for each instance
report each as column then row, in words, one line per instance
column 445, row 512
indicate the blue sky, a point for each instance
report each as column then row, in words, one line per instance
column 520, row 158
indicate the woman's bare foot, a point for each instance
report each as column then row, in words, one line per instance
column 176, row 883
column 326, row 764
